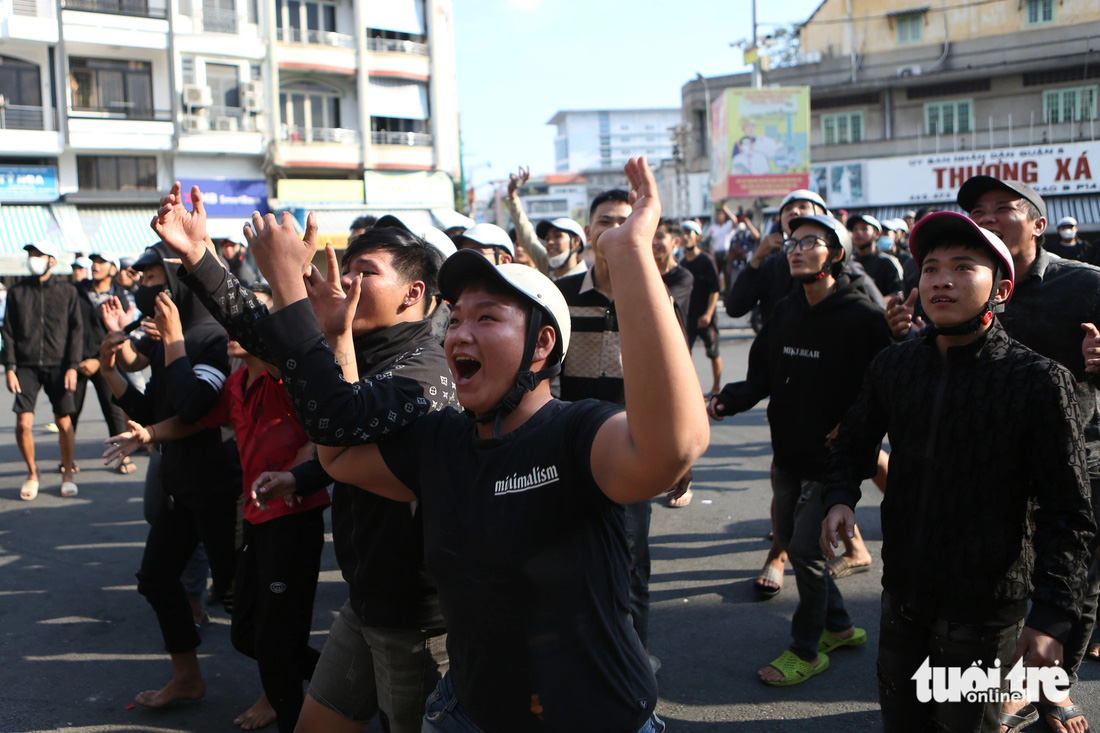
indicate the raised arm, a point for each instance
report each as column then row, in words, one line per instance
column 639, row 454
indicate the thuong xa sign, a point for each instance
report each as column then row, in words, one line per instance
column 1052, row 170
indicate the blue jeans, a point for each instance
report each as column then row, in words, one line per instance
column 442, row 713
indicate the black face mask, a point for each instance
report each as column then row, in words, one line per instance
column 145, row 298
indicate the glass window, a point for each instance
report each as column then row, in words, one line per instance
column 1040, row 12
column 1069, row 105
column 224, row 83
column 910, row 28
column 116, row 173
column 113, row 86
column 846, row 127
column 947, row 118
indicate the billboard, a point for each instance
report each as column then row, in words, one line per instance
column 1052, row 170
column 28, row 183
column 760, row 142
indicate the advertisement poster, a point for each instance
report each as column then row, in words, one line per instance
column 760, row 142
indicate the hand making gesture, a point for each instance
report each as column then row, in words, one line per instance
column 183, row 231
column 636, row 233
column 282, row 256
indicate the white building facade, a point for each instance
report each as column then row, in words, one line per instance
column 345, row 106
column 589, row 140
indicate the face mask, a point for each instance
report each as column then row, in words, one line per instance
column 38, row 265
column 884, row 244
column 1067, row 234
column 145, row 298
column 559, row 260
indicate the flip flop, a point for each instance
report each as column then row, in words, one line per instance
column 69, row 489
column 1062, row 713
column 681, row 501
column 29, row 490
column 795, row 669
column 127, row 466
column 830, row 641
column 841, row 568
column 61, row 468
column 771, row 574
column 1021, row 719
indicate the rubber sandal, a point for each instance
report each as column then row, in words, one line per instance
column 768, row 573
column 126, row 467
column 61, row 468
column 840, row 568
column 1062, row 713
column 69, row 489
column 681, row 501
column 1021, row 719
column 795, row 669
column 830, row 641
column 29, row 490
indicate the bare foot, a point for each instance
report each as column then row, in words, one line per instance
column 1076, row 724
column 176, row 689
column 260, row 715
column 771, row 674
column 1093, row 651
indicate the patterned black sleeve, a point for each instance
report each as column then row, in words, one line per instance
column 1064, row 524
column 332, row 411
column 855, row 449
column 233, row 305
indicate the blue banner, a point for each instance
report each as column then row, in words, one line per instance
column 28, row 183
column 228, row 198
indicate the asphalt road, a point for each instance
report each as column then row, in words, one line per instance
column 77, row 641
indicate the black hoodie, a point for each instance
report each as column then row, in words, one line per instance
column 810, row 360
column 188, row 388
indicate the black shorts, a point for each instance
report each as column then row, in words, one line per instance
column 51, row 379
column 709, row 336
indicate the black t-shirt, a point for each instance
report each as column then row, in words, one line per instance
column 531, row 561
column 705, row 272
column 679, row 283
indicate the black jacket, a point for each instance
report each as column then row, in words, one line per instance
column 771, row 282
column 42, row 326
column 884, row 269
column 987, row 487
column 810, row 360
column 94, row 328
column 188, row 388
column 379, row 543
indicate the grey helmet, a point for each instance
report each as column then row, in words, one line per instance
column 803, row 194
column 838, row 236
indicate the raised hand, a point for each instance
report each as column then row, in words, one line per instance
column 281, row 256
column 114, row 317
column 636, row 233
column 108, row 350
column 517, row 180
column 1090, row 348
column 899, row 315
column 168, row 319
column 124, row 444
column 335, row 309
column 183, row 231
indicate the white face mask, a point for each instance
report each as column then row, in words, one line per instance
column 559, row 260
column 1068, row 233
column 38, row 265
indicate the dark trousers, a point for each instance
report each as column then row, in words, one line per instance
column 799, row 512
column 1081, row 634
column 112, row 413
column 906, row 641
column 637, row 538
column 178, row 527
column 276, row 582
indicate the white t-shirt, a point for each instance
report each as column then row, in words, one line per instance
column 720, row 235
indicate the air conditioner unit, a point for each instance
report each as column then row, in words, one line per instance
column 195, row 95
column 252, row 101
column 225, row 124
column 195, row 123
column 906, row 71
column 251, row 87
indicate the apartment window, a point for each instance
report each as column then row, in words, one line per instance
column 308, row 104
column 910, row 28
column 224, row 83
column 112, row 86
column 947, row 118
column 316, row 16
column 1040, row 12
column 398, row 124
column 219, row 16
column 1069, row 105
column 20, row 82
column 846, row 127
column 116, row 173
column 187, row 69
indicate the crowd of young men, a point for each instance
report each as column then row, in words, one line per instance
column 457, row 467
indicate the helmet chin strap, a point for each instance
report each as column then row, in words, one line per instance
column 980, row 321
column 807, row 279
column 526, row 380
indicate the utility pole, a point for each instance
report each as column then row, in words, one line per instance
column 756, row 80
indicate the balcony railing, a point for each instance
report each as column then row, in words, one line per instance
column 219, row 20
column 33, row 8
column 389, row 45
column 23, row 117
column 121, row 111
column 137, row 8
column 401, row 138
column 316, row 38
column 306, row 135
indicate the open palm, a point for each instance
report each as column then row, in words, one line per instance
column 183, row 231
column 645, row 204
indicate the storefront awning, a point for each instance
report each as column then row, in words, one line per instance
column 122, row 231
column 21, row 225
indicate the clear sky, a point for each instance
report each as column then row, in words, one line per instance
column 521, row 61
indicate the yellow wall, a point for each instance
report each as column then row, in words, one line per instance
column 828, row 32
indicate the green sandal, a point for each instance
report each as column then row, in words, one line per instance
column 795, row 669
column 830, row 641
